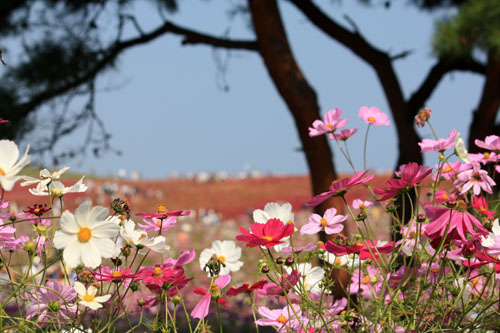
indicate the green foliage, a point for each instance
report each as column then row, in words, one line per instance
column 476, row 26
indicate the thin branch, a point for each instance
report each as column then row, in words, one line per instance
column 352, row 23
column 401, row 55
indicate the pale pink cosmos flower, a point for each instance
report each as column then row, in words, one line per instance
column 329, row 222
column 476, row 179
column 373, row 116
column 449, row 170
column 491, row 142
column 343, row 135
column 492, row 242
column 155, row 223
column 483, row 157
column 200, row 311
column 332, row 122
column 361, row 204
column 283, row 319
column 428, row 145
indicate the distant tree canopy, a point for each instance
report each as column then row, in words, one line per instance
column 68, row 44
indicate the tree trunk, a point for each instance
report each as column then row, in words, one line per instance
column 483, row 120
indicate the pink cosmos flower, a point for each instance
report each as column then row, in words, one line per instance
column 361, row 204
column 52, row 303
column 373, row 116
column 267, row 235
column 459, row 220
column 162, row 213
column 201, row 309
column 366, row 249
column 476, row 179
column 343, row 135
column 156, row 277
column 411, row 174
column 155, row 223
column 284, row 319
column 332, row 122
column 184, row 258
column 291, row 250
column 449, row 170
column 330, row 223
column 3, row 121
column 246, row 288
column 483, row 158
column 284, row 283
column 491, row 142
column 340, row 187
column 428, row 145
column 118, row 274
column 368, row 284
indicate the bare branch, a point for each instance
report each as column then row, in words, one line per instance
column 352, row 23
column 401, row 55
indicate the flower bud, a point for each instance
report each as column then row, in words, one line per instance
column 289, row 261
column 177, row 300
column 141, row 302
column 390, row 208
column 421, row 218
column 29, row 246
column 280, row 261
column 361, row 216
column 264, row 269
column 134, row 286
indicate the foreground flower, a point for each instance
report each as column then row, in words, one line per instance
column 428, row 145
column 411, row 174
column 330, row 223
column 169, row 277
column 273, row 210
column 200, row 311
column 283, row 319
column 58, row 189
column 332, row 122
column 85, row 236
column 491, row 142
column 267, row 235
column 457, row 221
column 11, row 164
column 476, row 179
column 88, row 296
column 373, row 116
column 340, row 187
column 52, row 303
column 226, row 253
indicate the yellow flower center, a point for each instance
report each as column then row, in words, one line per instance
column 214, row 288
column 320, row 243
column 159, row 223
column 371, row 120
column 435, row 270
column 36, row 210
column 447, row 169
column 337, row 261
column 330, row 126
column 366, row 280
column 161, row 209
column 2, row 172
column 482, row 209
column 323, row 222
column 486, row 155
column 290, row 222
column 222, row 259
column 362, row 206
column 267, row 238
column 116, row 274
column 88, row 298
column 444, row 196
column 412, row 235
column 56, row 192
column 281, row 319
column 84, row 234
column 157, row 272
column 475, row 280
column 143, row 235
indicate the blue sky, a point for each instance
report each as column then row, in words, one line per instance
column 167, row 113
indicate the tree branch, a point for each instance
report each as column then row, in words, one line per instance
column 111, row 54
column 437, row 72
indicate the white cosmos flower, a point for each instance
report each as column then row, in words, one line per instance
column 88, row 298
column 57, row 189
column 273, row 210
column 460, row 149
column 45, row 178
column 139, row 238
column 310, row 277
column 11, row 164
column 227, row 252
column 85, row 236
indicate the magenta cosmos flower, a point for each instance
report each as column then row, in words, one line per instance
column 155, row 223
column 332, row 122
column 329, row 222
column 201, row 309
column 459, row 220
column 491, row 142
column 268, row 234
column 373, row 116
column 162, row 213
column 343, row 135
column 411, row 174
column 340, row 187
column 428, row 145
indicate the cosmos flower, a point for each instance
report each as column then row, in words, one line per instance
column 373, row 116
column 428, row 145
column 140, row 238
column 343, row 135
column 282, row 319
column 88, row 296
column 246, row 288
column 86, row 236
column 45, row 178
column 411, row 174
column 329, row 222
column 58, row 189
column 201, row 309
column 340, row 187
column 332, row 122
column 163, row 213
column 226, row 252
column 480, row 204
column 267, row 235
column 11, row 164
column 155, row 223
column 491, row 142
column 52, row 303
column 476, row 179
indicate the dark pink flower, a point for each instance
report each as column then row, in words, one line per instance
column 201, row 309
column 284, row 283
column 116, row 275
column 268, row 234
column 162, row 213
column 459, row 221
column 340, row 187
column 246, row 288
column 160, row 276
column 480, row 204
column 411, row 174
column 366, row 249
column 343, row 135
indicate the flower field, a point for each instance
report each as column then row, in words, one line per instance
column 95, row 255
